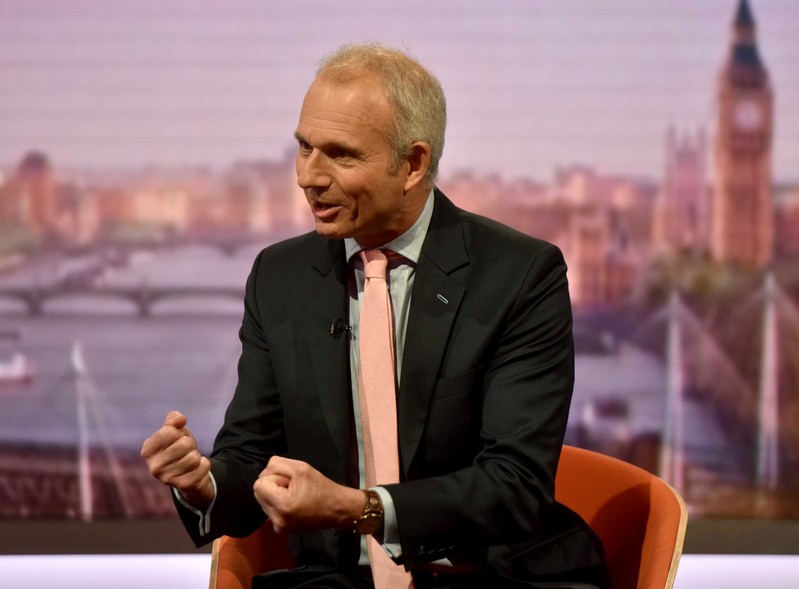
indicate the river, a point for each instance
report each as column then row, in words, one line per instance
column 181, row 357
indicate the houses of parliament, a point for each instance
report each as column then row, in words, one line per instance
column 735, row 220
column 716, row 199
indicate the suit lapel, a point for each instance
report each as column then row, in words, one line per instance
column 435, row 302
column 326, row 289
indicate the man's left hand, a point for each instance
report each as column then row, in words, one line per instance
column 298, row 498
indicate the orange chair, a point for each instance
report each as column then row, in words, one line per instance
column 235, row 561
column 640, row 519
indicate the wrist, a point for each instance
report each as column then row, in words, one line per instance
column 349, row 508
column 199, row 496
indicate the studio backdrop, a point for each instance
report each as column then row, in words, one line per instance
column 146, row 156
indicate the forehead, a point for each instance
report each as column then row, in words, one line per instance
column 355, row 110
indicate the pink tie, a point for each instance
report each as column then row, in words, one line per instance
column 378, row 400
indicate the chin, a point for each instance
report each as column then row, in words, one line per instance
column 330, row 232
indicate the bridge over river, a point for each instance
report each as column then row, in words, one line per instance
column 143, row 296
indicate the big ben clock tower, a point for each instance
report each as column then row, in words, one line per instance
column 742, row 218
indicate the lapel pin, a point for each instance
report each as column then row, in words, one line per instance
column 442, row 298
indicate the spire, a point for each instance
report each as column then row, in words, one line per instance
column 744, row 41
column 743, row 16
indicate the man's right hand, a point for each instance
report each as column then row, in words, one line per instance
column 173, row 458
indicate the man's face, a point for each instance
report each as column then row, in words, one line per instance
column 344, row 163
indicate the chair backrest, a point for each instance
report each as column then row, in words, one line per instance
column 235, row 561
column 640, row 518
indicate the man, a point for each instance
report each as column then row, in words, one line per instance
column 484, row 366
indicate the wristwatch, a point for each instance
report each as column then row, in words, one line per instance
column 371, row 519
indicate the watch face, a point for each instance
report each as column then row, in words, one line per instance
column 369, row 523
column 747, row 115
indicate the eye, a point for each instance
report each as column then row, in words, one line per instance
column 304, row 147
column 340, row 153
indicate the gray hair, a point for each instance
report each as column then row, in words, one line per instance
column 416, row 97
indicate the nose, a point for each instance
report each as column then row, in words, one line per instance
column 312, row 170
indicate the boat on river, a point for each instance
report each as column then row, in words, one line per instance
column 17, row 370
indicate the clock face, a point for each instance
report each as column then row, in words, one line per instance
column 747, row 115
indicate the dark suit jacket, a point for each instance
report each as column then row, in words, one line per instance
column 487, row 379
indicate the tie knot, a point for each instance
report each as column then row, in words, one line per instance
column 374, row 263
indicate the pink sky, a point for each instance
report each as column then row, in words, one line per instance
column 530, row 85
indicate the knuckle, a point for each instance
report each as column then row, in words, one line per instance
column 205, row 464
column 194, row 460
column 164, row 477
column 156, row 468
column 194, row 478
column 185, row 444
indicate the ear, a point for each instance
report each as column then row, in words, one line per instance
column 416, row 165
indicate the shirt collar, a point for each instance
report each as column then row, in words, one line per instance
column 409, row 244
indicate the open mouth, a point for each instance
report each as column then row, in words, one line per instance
column 323, row 210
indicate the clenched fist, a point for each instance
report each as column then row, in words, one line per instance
column 298, row 498
column 173, row 458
